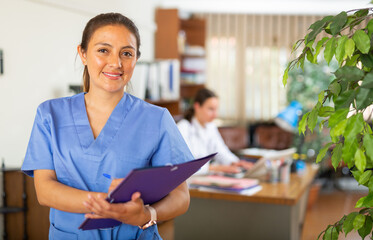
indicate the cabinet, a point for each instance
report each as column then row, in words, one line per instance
column 182, row 39
column 24, row 217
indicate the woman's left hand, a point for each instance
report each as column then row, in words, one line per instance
column 244, row 164
column 132, row 212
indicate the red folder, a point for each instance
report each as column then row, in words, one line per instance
column 153, row 183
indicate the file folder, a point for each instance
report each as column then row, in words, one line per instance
column 153, row 183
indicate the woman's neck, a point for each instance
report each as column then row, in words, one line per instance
column 102, row 100
column 202, row 123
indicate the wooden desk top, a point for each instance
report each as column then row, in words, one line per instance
column 272, row 193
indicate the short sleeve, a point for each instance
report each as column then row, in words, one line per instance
column 172, row 148
column 39, row 153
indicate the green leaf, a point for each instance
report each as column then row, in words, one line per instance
column 337, row 117
column 285, row 77
column 317, row 28
column 368, row 144
column 326, row 111
column 309, row 44
column 348, row 152
column 366, row 201
column 345, row 99
column 367, row 60
column 365, row 177
column 368, row 81
column 335, row 88
column 296, row 45
column 367, row 228
column 360, row 202
column 370, row 184
column 338, row 22
column 361, row 12
column 356, row 174
column 321, row 125
column 360, row 160
column 370, row 27
column 359, row 221
column 301, row 63
column 330, row 233
column 321, row 96
column 364, row 98
column 337, row 155
column 340, row 51
column 349, row 47
column 367, row 129
column 353, row 60
column 310, row 57
column 329, row 50
column 354, row 126
column 349, row 73
column 319, row 46
column 322, row 152
column 348, row 223
column 362, row 41
column 303, row 123
column 338, row 129
column 312, row 118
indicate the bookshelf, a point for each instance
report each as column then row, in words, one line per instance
column 182, row 39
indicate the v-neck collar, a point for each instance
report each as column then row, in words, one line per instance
column 99, row 145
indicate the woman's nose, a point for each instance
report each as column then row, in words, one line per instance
column 115, row 61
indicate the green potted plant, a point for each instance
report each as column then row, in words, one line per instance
column 343, row 105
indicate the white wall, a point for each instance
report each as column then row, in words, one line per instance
column 39, row 40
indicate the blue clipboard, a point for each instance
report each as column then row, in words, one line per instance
column 153, row 183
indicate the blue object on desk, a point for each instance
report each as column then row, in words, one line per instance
column 288, row 118
column 300, row 166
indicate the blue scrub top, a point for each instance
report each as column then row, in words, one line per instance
column 137, row 134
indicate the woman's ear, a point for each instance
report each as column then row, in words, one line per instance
column 82, row 55
column 196, row 106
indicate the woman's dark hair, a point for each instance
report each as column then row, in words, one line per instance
column 101, row 21
column 201, row 96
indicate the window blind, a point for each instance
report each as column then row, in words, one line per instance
column 246, row 57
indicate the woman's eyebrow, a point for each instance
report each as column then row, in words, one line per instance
column 109, row 45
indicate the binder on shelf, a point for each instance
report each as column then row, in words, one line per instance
column 139, row 80
column 153, row 183
column 158, row 80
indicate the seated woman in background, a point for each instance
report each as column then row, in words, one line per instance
column 202, row 135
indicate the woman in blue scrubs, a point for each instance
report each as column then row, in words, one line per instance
column 75, row 140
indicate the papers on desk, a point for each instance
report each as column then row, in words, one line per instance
column 214, row 183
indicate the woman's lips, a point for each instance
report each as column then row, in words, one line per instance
column 112, row 76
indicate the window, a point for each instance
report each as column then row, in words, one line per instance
column 246, row 57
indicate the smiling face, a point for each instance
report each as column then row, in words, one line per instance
column 110, row 58
column 208, row 111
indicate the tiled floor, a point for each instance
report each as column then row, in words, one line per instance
column 328, row 209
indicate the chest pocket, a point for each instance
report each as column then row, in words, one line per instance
column 78, row 172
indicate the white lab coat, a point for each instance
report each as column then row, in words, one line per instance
column 203, row 141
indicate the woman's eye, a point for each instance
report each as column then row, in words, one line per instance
column 127, row 54
column 102, row 50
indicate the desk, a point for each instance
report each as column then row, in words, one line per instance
column 276, row 212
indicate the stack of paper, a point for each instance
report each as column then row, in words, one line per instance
column 214, row 183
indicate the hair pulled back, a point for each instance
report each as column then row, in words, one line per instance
column 201, row 96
